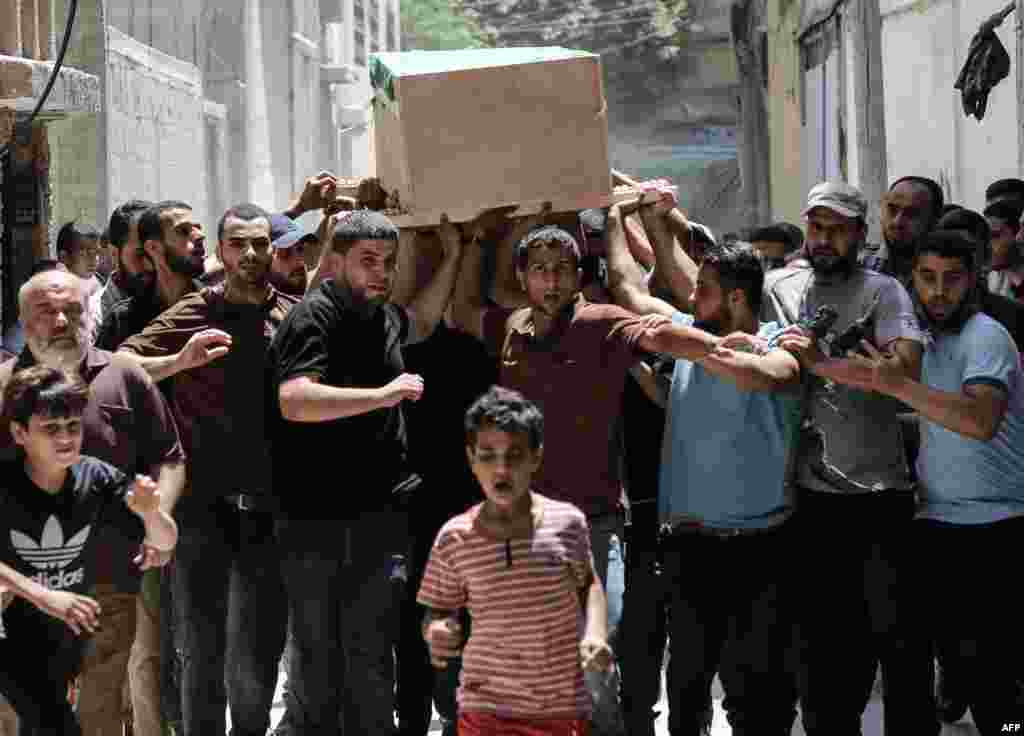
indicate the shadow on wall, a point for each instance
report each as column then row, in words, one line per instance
column 705, row 169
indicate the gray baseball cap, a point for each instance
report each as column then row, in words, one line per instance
column 839, row 197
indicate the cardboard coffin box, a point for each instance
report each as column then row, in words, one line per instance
column 463, row 131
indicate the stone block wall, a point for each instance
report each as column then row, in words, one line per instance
column 156, row 130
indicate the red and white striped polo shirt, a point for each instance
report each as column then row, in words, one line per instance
column 522, row 658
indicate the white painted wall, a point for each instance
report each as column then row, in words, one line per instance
column 155, row 126
column 924, row 46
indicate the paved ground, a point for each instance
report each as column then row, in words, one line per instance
column 872, row 719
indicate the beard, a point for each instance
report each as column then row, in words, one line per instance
column 248, row 275
column 63, row 351
column 139, row 285
column 902, row 249
column 185, row 265
column 293, row 284
column 832, row 265
column 954, row 319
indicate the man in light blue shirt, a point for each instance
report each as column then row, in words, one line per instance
column 971, row 468
column 723, row 499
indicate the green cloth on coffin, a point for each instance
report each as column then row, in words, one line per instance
column 385, row 68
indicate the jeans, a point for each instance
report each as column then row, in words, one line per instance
column 606, row 542
column 643, row 630
column 340, row 577
column 415, row 676
column 731, row 613
column 982, row 630
column 231, row 618
column 857, row 606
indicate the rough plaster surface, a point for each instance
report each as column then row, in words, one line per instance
column 155, row 126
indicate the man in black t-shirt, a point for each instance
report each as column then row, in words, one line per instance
column 338, row 380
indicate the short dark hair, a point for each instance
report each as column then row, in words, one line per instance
column 947, row 244
column 72, row 233
column 506, row 410
column 122, row 218
column 1005, row 188
column 1005, row 210
column 791, row 236
column 934, row 190
column 546, row 235
column 968, row 221
column 361, row 225
column 245, row 211
column 950, row 207
column 150, row 222
column 738, row 267
column 41, row 390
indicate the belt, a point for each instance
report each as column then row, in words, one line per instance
column 681, row 529
column 249, row 502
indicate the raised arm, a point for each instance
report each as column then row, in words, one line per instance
column 468, row 305
column 625, row 277
column 427, row 307
column 674, row 266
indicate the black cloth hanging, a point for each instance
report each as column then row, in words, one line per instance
column 987, row 65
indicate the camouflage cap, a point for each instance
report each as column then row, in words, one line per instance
column 839, row 197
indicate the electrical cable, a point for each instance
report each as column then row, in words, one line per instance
column 563, row 28
column 68, row 27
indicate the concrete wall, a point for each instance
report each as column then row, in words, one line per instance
column 156, row 127
column 77, row 147
column 787, row 188
column 924, row 47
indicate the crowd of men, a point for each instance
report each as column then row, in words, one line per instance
column 790, row 448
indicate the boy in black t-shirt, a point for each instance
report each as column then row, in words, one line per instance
column 52, row 502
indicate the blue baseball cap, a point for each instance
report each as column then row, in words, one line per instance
column 280, row 225
column 285, row 232
column 292, row 237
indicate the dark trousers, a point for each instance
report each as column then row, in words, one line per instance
column 38, row 659
column 344, row 594
column 231, row 618
column 731, row 613
column 643, row 631
column 977, row 619
column 857, row 575
column 414, row 675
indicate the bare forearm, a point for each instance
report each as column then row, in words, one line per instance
column 957, row 412
column 654, row 386
column 676, row 269
column 748, row 371
column 505, row 290
column 625, row 277
column 428, row 306
column 19, row 584
column 596, row 612
column 158, row 369
column 315, row 402
column 680, row 341
column 405, row 279
column 171, row 481
column 161, row 530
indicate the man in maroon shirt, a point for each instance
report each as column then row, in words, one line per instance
column 571, row 357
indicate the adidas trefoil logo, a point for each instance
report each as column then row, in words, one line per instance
column 51, row 555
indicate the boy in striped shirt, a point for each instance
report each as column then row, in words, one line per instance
column 521, row 564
